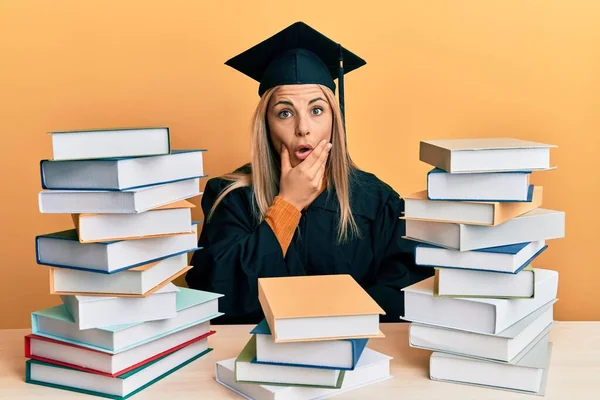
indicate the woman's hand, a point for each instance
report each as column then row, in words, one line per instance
column 301, row 185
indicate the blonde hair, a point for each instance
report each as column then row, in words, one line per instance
column 265, row 169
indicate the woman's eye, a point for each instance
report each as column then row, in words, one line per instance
column 317, row 111
column 284, row 114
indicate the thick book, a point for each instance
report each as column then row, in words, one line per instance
column 318, row 307
column 194, row 307
column 485, row 155
column 267, row 374
column 96, row 312
column 504, row 346
column 485, row 186
column 465, row 283
column 116, row 202
column 418, row 207
column 97, row 362
column 508, row 259
column 121, row 387
column 538, row 224
column 140, row 281
column 103, row 143
column 479, row 315
column 373, row 367
column 168, row 220
column 63, row 249
column 336, row 354
column 123, row 173
column 527, row 374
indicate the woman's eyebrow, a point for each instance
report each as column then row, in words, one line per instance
column 316, row 99
column 289, row 103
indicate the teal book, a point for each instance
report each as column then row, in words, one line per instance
column 193, row 307
column 121, row 387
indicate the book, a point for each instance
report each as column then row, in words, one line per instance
column 168, row 220
column 124, row 173
column 121, row 202
column 194, row 307
column 372, row 367
column 63, row 249
column 503, row 259
column 484, row 186
column 485, row 155
column 103, row 143
column 121, row 387
column 96, row 312
column 418, row 207
column 538, row 224
column 98, row 362
column 337, row 354
column 140, row 281
column 479, row 315
column 465, row 283
column 318, row 307
column 503, row 346
column 528, row 374
column 267, row 374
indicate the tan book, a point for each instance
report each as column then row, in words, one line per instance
column 419, row 207
column 318, row 307
column 485, row 155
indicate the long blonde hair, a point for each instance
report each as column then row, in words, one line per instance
column 265, row 169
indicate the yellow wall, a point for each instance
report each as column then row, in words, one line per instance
column 436, row 69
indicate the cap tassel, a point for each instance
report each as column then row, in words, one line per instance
column 341, row 87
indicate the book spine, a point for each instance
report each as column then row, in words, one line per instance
column 436, row 156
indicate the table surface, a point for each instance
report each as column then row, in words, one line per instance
column 574, row 369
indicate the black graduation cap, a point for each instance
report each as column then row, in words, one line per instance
column 297, row 55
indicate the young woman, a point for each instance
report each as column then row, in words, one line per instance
column 301, row 206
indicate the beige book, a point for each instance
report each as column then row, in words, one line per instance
column 319, row 307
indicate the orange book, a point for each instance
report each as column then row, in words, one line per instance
column 318, row 307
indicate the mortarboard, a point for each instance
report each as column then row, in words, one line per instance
column 297, row 55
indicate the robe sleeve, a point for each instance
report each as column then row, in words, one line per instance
column 235, row 252
column 394, row 260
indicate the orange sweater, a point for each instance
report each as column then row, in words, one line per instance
column 283, row 218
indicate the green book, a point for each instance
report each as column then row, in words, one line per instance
column 248, row 371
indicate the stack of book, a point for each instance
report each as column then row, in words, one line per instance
column 122, row 324
column 487, row 311
column 312, row 342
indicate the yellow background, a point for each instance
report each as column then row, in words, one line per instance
column 436, row 69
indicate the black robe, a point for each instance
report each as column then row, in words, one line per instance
column 236, row 251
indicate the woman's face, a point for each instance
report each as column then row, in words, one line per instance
column 299, row 117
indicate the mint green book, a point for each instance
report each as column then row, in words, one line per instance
column 121, row 387
column 247, row 371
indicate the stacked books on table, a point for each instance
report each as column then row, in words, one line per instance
column 312, row 342
column 487, row 311
column 122, row 325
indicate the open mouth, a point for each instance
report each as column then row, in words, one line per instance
column 303, row 151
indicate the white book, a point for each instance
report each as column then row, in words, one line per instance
column 117, row 387
column 538, row 224
column 467, row 283
column 372, row 367
column 62, row 249
column 505, row 259
column 492, row 186
column 44, row 349
column 123, row 202
column 504, row 346
column 122, row 173
column 128, row 142
column 479, row 315
column 485, row 155
column 140, row 281
column 194, row 307
column 528, row 374
column 95, row 312
column 171, row 219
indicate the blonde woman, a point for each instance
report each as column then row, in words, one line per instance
column 301, row 206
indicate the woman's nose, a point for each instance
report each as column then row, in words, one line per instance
column 303, row 126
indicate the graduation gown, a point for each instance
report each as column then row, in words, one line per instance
column 236, row 251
